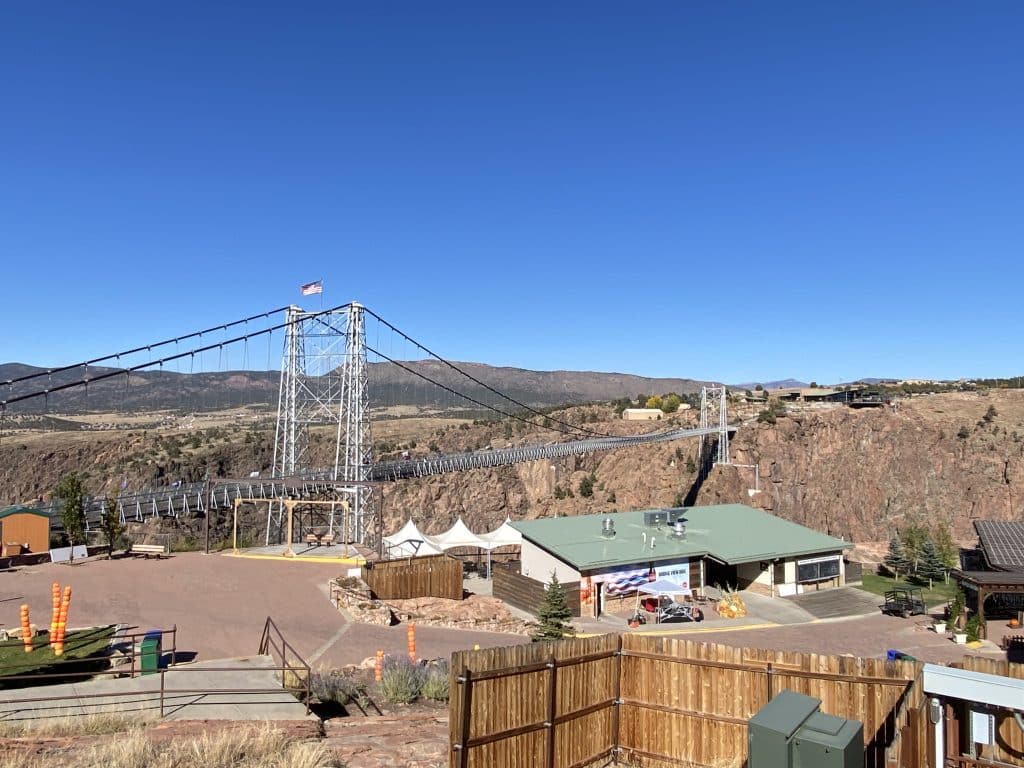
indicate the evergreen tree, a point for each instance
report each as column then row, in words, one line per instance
column 71, row 494
column 896, row 560
column 553, row 615
column 930, row 568
column 913, row 538
column 110, row 524
column 948, row 549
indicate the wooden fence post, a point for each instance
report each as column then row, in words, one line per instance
column 467, row 702
column 616, row 705
column 552, row 708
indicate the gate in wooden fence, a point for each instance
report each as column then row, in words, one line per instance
column 650, row 701
column 1009, row 739
column 429, row 576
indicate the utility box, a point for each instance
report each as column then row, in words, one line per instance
column 790, row 732
column 151, row 651
column 827, row 740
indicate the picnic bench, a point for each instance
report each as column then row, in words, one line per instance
column 320, row 539
column 157, row 550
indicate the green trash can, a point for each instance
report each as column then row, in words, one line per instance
column 151, row 651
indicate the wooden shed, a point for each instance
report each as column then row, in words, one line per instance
column 23, row 529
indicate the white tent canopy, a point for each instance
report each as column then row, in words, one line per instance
column 459, row 535
column 503, row 536
column 410, row 542
column 663, row 587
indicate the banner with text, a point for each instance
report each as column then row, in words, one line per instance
column 677, row 573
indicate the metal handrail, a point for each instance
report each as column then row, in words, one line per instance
column 271, row 640
column 270, row 629
column 163, row 691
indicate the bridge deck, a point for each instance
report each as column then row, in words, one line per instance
column 192, row 498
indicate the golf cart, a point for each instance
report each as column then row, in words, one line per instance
column 904, row 601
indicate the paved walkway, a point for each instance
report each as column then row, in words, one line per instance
column 837, row 603
column 256, row 694
column 335, row 553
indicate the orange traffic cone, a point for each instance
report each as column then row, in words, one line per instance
column 55, row 617
column 62, row 622
column 26, row 629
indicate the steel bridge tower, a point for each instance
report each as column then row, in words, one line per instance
column 324, row 383
column 353, row 454
column 713, row 404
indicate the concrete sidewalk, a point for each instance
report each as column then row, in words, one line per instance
column 256, row 694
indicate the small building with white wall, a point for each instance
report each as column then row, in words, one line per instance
column 611, row 555
column 642, row 414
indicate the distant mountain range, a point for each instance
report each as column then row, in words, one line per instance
column 388, row 384
column 781, row 384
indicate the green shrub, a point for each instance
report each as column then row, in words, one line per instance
column 401, row 680
column 435, row 682
column 956, row 610
column 334, row 686
column 187, row 544
column 587, row 486
column 973, row 628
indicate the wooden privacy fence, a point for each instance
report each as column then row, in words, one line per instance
column 526, row 594
column 429, row 576
column 650, row 701
column 544, row 704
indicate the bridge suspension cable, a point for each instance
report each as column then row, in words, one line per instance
column 575, row 428
column 126, row 371
column 119, row 355
column 471, row 399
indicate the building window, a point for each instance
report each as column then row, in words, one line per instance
column 817, row 569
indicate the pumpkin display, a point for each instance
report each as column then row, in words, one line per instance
column 731, row 605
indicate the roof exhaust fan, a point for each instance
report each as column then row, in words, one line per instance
column 679, row 529
column 608, row 528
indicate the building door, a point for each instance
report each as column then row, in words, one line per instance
column 720, row 574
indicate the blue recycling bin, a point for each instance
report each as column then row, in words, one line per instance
column 893, row 655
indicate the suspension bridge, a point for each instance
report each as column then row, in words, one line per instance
column 324, row 382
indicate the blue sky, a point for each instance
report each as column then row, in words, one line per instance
column 715, row 190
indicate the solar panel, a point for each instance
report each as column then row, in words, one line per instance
column 1003, row 544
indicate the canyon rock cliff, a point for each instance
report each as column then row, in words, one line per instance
column 860, row 474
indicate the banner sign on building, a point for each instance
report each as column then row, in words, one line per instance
column 622, row 582
column 677, row 573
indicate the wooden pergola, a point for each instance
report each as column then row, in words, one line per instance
column 987, row 583
column 290, row 505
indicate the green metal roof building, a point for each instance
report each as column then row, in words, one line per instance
column 692, row 546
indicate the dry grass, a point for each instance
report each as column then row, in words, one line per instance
column 98, row 724
column 257, row 747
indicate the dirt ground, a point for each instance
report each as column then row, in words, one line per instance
column 219, row 605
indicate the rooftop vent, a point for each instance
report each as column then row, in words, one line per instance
column 679, row 529
column 608, row 528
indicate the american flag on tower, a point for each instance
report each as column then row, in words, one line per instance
column 310, row 289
